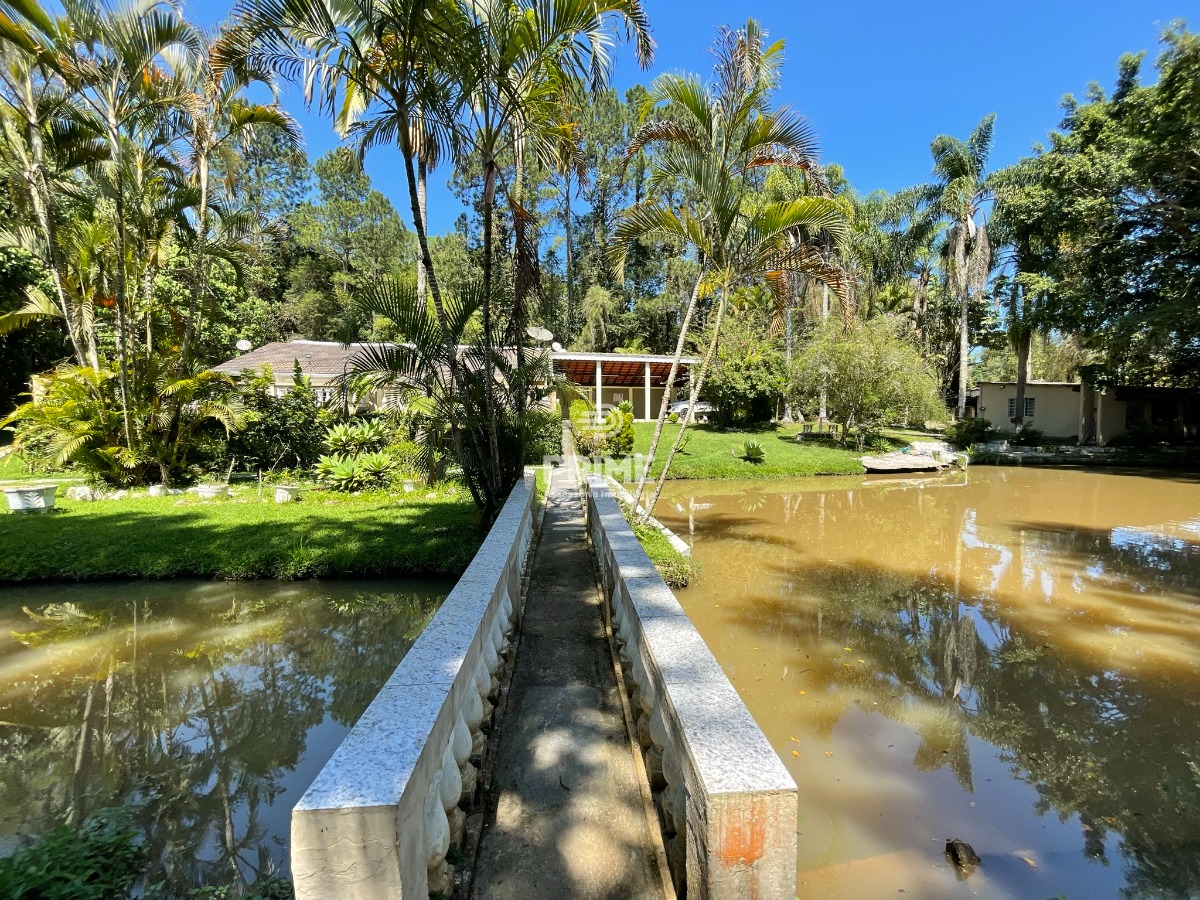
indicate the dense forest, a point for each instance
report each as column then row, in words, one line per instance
column 156, row 215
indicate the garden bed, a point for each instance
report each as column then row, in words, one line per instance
column 325, row 535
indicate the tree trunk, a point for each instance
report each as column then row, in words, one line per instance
column 422, row 201
column 823, row 413
column 491, row 497
column 1024, row 340
column 40, row 198
column 200, row 279
column 964, row 354
column 451, row 349
column 666, row 400
column 570, row 256
column 694, row 395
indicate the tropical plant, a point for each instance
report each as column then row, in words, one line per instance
column 962, row 191
column 76, row 416
column 712, row 146
column 753, row 452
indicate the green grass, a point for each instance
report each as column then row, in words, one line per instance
column 12, row 469
column 706, row 453
column 426, row 532
column 676, row 569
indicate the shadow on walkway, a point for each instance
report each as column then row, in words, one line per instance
column 566, row 817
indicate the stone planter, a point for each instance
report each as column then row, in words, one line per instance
column 212, row 491
column 286, row 493
column 157, row 490
column 31, row 497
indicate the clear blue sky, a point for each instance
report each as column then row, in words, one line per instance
column 877, row 80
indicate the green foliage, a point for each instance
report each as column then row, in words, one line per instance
column 872, row 373
column 753, row 451
column 543, row 435
column 967, row 432
column 99, row 860
column 1028, row 436
column 748, row 372
column 76, row 417
column 619, row 425
column 364, row 471
column 676, row 569
column 282, row 431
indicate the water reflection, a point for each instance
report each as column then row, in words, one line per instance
column 209, row 707
column 1013, row 661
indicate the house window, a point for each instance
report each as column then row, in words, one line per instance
column 1012, row 408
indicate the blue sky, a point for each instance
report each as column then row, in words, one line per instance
column 877, row 80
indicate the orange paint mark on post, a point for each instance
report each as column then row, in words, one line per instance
column 745, row 839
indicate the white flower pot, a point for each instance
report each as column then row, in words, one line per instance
column 31, row 497
column 286, row 493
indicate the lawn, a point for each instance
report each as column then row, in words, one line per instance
column 706, row 453
column 325, row 534
column 12, row 469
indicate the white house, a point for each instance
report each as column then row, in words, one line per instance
column 1065, row 409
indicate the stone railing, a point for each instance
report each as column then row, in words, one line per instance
column 383, row 812
column 726, row 804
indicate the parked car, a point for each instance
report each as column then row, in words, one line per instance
column 699, row 414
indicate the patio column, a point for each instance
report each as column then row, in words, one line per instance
column 599, row 379
column 647, row 392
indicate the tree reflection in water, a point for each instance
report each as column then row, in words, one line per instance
column 208, row 708
column 1072, row 649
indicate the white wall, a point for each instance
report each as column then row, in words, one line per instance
column 1056, row 407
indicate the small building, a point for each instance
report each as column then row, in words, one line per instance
column 612, row 378
column 1050, row 406
column 609, row 378
column 1065, row 409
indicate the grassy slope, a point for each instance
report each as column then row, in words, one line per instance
column 323, row 535
column 706, row 454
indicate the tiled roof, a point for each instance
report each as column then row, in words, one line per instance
column 320, row 358
column 327, row 359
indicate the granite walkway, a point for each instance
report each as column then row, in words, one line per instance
column 566, row 818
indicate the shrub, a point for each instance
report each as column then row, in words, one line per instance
column 100, row 859
column 591, row 437
column 543, row 435
column 282, row 431
column 673, row 418
column 1028, row 436
column 620, row 430
column 966, row 432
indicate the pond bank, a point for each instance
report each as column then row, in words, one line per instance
column 426, row 532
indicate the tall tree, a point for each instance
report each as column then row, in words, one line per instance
column 960, row 195
column 712, row 145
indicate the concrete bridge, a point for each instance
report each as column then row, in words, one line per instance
column 559, row 730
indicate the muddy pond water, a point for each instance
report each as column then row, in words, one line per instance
column 1010, row 658
column 205, row 708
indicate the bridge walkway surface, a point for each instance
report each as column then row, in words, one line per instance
column 568, row 815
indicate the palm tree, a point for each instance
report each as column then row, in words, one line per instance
column 214, row 115
column 487, row 71
column 712, row 145
column 116, row 65
column 961, row 192
column 37, row 113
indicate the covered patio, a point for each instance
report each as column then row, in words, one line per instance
column 639, row 379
